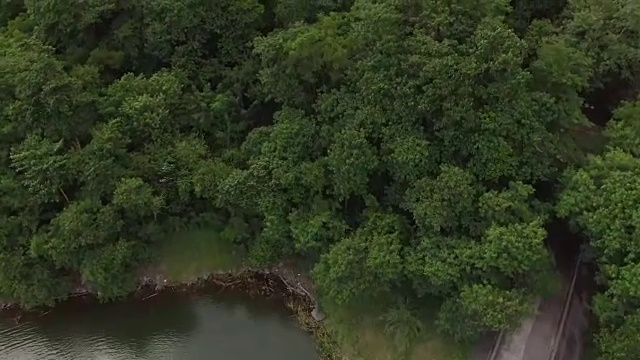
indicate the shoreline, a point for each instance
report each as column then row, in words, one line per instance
column 159, row 283
column 279, row 282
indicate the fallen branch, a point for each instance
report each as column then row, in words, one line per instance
column 290, row 287
column 80, row 294
column 150, row 296
column 306, row 292
column 224, row 284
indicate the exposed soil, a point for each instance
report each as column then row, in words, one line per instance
column 279, row 281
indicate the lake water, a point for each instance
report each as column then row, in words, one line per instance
column 169, row 326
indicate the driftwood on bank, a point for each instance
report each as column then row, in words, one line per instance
column 298, row 289
column 269, row 282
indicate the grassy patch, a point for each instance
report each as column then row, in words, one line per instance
column 391, row 336
column 368, row 340
column 192, row 253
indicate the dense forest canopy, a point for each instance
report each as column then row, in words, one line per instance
column 408, row 148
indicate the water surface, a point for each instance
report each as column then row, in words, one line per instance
column 168, row 326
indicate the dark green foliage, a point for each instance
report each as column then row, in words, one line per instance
column 601, row 199
column 396, row 145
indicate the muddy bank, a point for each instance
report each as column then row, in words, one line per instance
column 295, row 289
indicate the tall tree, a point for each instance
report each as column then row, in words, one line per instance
column 601, row 199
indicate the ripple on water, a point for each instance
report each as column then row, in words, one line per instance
column 24, row 342
column 164, row 329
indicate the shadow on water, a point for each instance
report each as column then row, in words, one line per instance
column 172, row 325
column 130, row 325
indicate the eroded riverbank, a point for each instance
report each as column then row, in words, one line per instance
column 268, row 282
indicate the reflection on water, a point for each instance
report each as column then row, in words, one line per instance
column 170, row 326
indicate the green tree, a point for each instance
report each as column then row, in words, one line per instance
column 482, row 307
column 601, row 199
column 608, row 31
column 455, row 132
column 365, row 264
column 404, row 148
